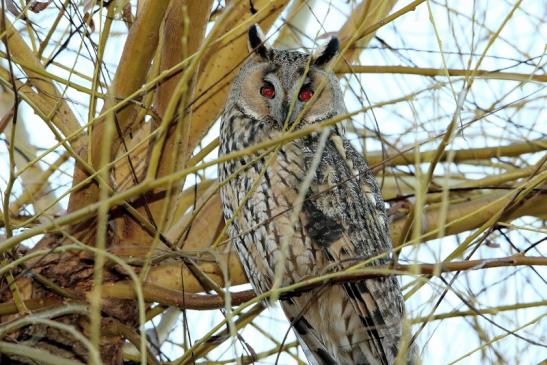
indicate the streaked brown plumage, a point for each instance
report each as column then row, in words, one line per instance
column 342, row 220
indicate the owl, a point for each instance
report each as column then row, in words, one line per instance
column 340, row 221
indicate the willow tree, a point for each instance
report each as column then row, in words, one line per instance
column 111, row 220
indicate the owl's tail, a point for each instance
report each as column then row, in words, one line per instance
column 368, row 333
column 309, row 339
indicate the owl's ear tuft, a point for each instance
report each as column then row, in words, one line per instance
column 257, row 41
column 326, row 53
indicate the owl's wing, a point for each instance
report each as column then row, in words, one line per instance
column 346, row 217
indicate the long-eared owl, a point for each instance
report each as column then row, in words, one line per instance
column 307, row 206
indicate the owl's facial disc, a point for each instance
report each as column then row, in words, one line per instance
column 274, row 81
column 268, row 90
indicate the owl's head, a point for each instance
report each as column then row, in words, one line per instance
column 271, row 80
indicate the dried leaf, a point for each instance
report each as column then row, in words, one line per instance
column 127, row 16
column 13, row 8
column 38, row 6
column 88, row 19
column 491, row 244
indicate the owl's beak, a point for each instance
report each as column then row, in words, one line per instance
column 284, row 112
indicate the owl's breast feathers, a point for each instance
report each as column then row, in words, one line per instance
column 342, row 222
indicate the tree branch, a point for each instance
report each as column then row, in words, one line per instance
column 426, row 71
column 187, row 300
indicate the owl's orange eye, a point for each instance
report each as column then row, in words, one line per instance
column 305, row 94
column 267, row 91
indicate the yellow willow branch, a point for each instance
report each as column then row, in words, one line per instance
column 182, row 33
column 15, row 220
column 64, row 118
column 298, row 15
column 44, row 357
column 363, row 35
column 204, row 345
column 185, row 297
column 368, row 12
column 397, row 186
column 130, row 75
column 137, row 54
column 37, row 191
column 483, row 153
column 121, row 197
column 259, row 357
column 470, row 215
column 45, row 107
column 42, row 74
column 491, row 310
column 474, row 214
column 220, row 63
column 485, row 74
column 168, row 152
